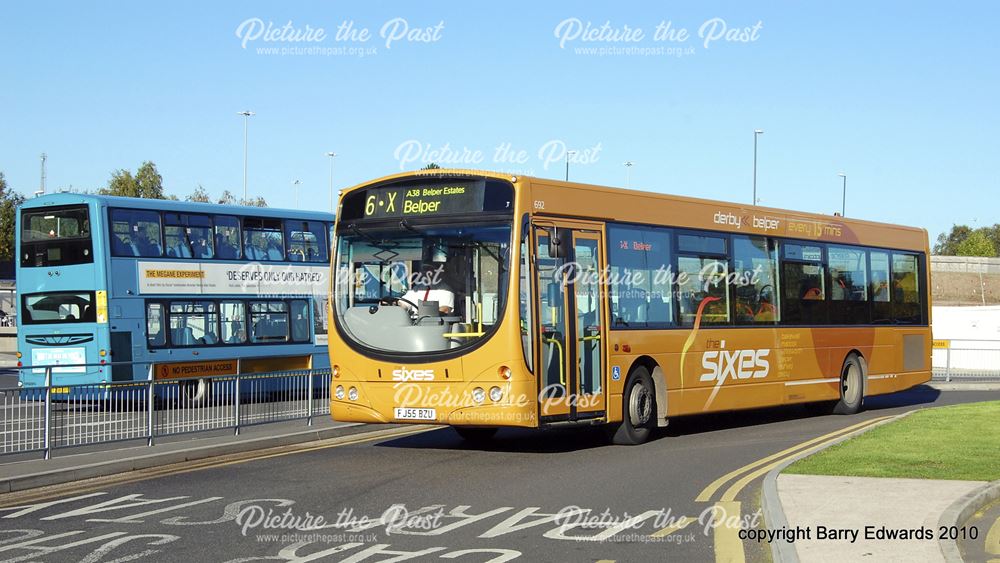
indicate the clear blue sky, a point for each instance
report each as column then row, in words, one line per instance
column 903, row 98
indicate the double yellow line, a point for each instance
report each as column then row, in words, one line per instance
column 728, row 546
column 762, row 466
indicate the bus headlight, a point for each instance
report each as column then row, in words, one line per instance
column 352, row 394
column 478, row 395
column 496, row 394
column 339, row 393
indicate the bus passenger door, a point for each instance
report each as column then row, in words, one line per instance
column 571, row 333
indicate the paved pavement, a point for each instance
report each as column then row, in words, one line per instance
column 979, row 538
column 557, row 495
column 842, row 522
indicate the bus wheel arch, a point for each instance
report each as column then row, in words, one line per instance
column 194, row 390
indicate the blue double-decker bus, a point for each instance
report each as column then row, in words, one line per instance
column 191, row 289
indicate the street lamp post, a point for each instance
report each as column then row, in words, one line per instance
column 843, row 203
column 568, row 154
column 628, row 173
column 332, row 156
column 295, row 186
column 756, row 132
column 246, row 119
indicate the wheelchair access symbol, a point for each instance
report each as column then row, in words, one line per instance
column 616, row 373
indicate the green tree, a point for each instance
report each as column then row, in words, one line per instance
column 258, row 202
column 947, row 243
column 199, row 195
column 976, row 244
column 9, row 200
column 431, row 166
column 147, row 183
column 227, row 198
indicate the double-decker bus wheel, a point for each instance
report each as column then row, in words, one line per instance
column 638, row 410
column 195, row 391
column 475, row 435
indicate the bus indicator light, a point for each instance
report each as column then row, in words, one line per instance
column 504, row 372
column 336, row 371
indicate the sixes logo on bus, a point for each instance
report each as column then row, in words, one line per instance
column 403, row 374
column 721, row 364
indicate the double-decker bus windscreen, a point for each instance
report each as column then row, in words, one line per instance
column 57, row 236
column 421, row 289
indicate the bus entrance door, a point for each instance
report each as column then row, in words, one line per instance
column 570, row 298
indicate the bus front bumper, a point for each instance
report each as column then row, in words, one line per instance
column 437, row 403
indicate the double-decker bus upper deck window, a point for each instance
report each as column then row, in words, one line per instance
column 262, row 239
column 58, row 307
column 227, row 237
column 56, row 236
column 306, row 240
column 188, row 236
column 135, row 232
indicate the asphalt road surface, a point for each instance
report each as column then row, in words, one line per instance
column 556, row 495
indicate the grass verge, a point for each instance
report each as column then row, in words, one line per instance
column 960, row 442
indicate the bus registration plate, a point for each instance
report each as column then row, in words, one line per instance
column 402, row 413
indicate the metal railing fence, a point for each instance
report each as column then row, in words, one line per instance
column 49, row 417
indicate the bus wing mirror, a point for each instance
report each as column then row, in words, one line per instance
column 557, row 248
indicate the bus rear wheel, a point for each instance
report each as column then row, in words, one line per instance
column 475, row 435
column 638, row 410
column 852, row 386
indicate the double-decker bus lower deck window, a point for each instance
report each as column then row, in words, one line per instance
column 135, row 232
column 58, row 307
column 268, row 322
column 155, row 333
column 193, row 323
column 234, row 322
column 56, row 237
column 426, row 289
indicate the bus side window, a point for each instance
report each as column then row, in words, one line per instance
column 154, row 324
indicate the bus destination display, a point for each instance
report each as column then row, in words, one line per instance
column 424, row 201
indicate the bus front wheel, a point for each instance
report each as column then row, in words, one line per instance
column 638, row 410
column 475, row 435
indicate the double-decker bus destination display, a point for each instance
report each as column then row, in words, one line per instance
column 424, row 201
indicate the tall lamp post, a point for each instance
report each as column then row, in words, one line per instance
column 756, row 133
column 628, row 173
column 246, row 119
column 843, row 203
column 295, row 186
column 568, row 154
column 332, row 156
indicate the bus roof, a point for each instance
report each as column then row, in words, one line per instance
column 66, row 198
column 912, row 237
